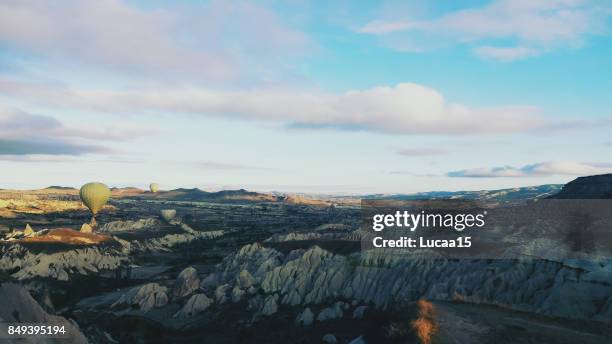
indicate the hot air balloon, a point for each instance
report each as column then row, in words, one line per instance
column 94, row 196
column 154, row 187
column 168, row 214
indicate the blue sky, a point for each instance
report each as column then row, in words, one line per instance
column 326, row 97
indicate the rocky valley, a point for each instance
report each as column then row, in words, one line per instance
column 242, row 267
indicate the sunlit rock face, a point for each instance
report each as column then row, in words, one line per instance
column 574, row 288
column 59, row 265
column 121, row 226
column 167, row 242
column 19, row 306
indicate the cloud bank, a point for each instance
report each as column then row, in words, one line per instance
column 405, row 108
column 45, row 147
column 216, row 40
column 23, row 133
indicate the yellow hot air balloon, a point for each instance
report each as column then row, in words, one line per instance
column 154, row 187
column 94, row 196
column 168, row 214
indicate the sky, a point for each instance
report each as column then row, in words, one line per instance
column 335, row 97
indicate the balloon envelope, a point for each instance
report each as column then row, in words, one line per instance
column 94, row 196
column 154, row 187
column 168, row 214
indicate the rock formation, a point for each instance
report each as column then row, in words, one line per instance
column 331, row 312
column 58, row 265
column 28, row 231
column 196, row 304
column 144, row 297
column 329, row 339
column 306, row 318
column 187, row 282
column 86, row 228
column 592, row 187
column 19, row 307
column 315, row 276
column 121, row 226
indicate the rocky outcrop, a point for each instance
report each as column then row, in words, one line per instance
column 293, row 237
column 59, row 265
column 86, row 228
column 237, row 294
column 254, row 259
column 196, row 304
column 329, row 339
column 360, row 312
column 331, row 312
column 578, row 289
column 167, row 242
column 306, row 318
column 591, row 187
column 122, row 226
column 245, row 279
column 28, row 231
column 186, row 283
column 18, row 306
column 270, row 305
column 221, row 293
column 144, row 297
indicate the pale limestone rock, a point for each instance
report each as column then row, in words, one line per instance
column 19, row 306
column 316, row 276
column 187, row 282
column 59, row 265
column 122, row 226
column 145, row 297
column 196, row 304
column 221, row 293
column 245, row 279
column 167, row 242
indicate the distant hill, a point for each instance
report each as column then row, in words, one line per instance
column 591, row 187
column 56, row 187
column 302, row 200
column 501, row 195
column 197, row 195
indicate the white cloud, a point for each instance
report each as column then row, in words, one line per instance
column 216, row 40
column 23, row 134
column 548, row 168
column 17, row 124
column 533, row 26
column 406, row 108
column 378, row 27
column 421, row 151
column 505, row 54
